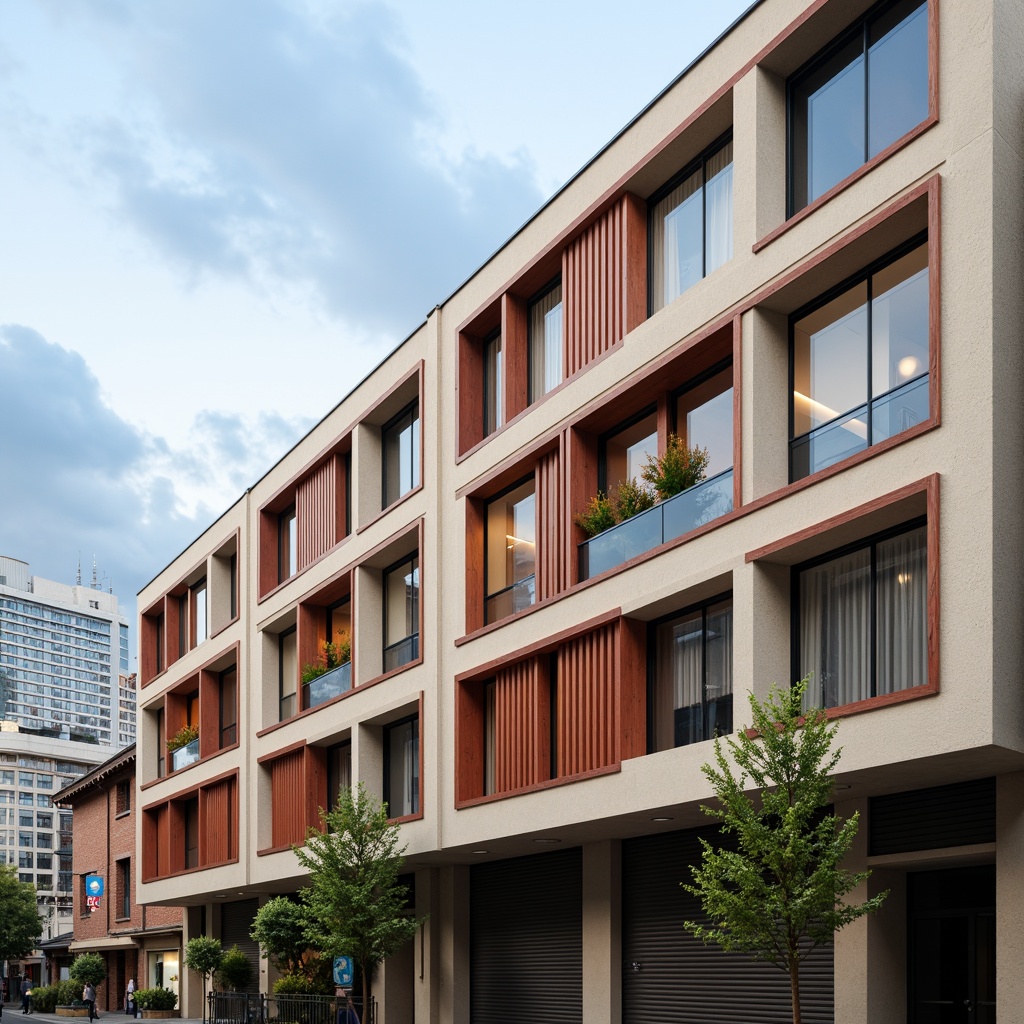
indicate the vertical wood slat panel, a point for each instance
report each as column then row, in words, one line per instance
column 214, row 828
column 316, row 512
column 596, row 289
column 588, row 706
column 551, row 526
column 519, row 720
column 287, row 818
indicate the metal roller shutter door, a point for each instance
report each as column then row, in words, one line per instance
column 526, row 940
column 682, row 981
column 235, row 922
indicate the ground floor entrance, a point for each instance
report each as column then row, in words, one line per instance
column 951, row 930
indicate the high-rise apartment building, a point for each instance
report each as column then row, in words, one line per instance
column 64, row 659
column 803, row 258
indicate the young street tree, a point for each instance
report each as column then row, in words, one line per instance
column 355, row 904
column 780, row 892
column 280, row 929
column 204, row 955
column 88, row 968
column 20, row 924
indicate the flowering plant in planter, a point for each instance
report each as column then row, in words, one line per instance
column 605, row 511
column 678, row 469
column 183, row 737
column 332, row 655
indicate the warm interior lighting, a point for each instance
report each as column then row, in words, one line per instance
column 903, row 578
column 908, row 366
column 518, row 540
column 823, row 412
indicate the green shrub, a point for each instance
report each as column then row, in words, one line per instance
column 598, row 516
column 332, row 654
column 235, row 971
column 630, row 499
column 44, row 998
column 69, row 992
column 88, row 967
column 183, row 737
column 297, row 985
column 678, row 469
column 155, row 999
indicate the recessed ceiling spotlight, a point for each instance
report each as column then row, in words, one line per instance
column 547, row 842
column 480, row 851
column 661, row 819
column 222, row 895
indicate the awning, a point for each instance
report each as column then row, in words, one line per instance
column 94, row 945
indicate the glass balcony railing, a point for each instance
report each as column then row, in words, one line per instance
column 515, row 598
column 333, row 683
column 668, row 520
column 402, row 652
column 186, row 755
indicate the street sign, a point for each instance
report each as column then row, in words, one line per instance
column 343, row 971
column 92, row 902
column 94, row 885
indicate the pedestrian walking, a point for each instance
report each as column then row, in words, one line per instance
column 129, row 998
column 89, row 998
column 26, row 995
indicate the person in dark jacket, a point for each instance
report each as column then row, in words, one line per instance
column 26, row 995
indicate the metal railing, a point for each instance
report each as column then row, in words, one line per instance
column 256, row 1008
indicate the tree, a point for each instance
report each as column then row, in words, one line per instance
column 781, row 892
column 88, row 969
column 235, row 971
column 354, row 902
column 20, row 923
column 204, row 956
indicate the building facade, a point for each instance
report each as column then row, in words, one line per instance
column 802, row 258
column 137, row 942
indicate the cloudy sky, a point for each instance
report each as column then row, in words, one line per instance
column 201, row 200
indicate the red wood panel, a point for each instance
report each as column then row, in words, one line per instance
column 514, row 354
column 603, row 283
column 215, row 823
column 268, row 567
column 470, row 398
column 172, row 627
column 469, row 740
column 209, row 712
column 287, row 810
column 581, row 484
column 587, row 709
column 475, row 512
column 521, row 717
column 552, row 525
column 316, row 512
column 314, row 765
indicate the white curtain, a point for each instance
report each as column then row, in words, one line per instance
column 902, row 612
column 718, row 209
column 676, row 241
column 546, row 343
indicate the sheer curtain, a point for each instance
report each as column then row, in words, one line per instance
column 718, row 209
column 835, row 610
column 676, row 241
column 902, row 612
column 546, row 343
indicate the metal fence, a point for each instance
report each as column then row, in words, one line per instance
column 247, row 1008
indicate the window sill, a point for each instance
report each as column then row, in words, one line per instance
column 537, row 787
column 835, row 190
column 181, row 771
column 189, row 871
column 266, row 595
column 384, row 511
column 123, row 814
column 227, row 625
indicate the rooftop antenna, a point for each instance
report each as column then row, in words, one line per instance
column 78, row 577
column 94, row 584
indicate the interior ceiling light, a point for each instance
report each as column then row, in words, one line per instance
column 480, row 851
column 661, row 819
column 547, row 842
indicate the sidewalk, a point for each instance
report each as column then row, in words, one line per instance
column 12, row 1011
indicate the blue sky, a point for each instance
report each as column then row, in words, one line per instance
column 196, row 196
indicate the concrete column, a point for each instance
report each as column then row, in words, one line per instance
column 368, row 625
column 763, row 588
column 1009, row 893
column 426, row 947
column 765, row 403
column 602, row 932
column 851, row 943
column 366, row 473
column 453, row 997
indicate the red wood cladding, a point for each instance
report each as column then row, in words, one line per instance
column 587, row 713
column 287, row 810
column 218, row 822
column 521, row 731
column 552, row 526
column 317, row 500
column 604, row 274
column 155, row 848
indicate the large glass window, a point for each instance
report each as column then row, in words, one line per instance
column 862, row 628
column 191, row 816
column 859, row 96
column 624, row 453
column 691, row 225
column 402, row 767
column 511, row 552
column 339, row 772
column 860, row 363
column 545, row 342
column 494, row 384
column 228, row 707
column 691, row 692
column 402, row 454
column 288, row 673
column 287, row 545
column 704, row 419
column 197, row 612
column 402, row 613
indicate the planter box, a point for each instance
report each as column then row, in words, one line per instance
column 72, row 1011
column 160, row 1014
column 185, row 755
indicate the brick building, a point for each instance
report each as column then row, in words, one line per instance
column 137, row 942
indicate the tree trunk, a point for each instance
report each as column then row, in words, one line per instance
column 794, row 987
column 364, row 1016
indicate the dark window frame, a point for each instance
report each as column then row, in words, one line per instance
column 555, row 282
column 652, row 659
column 699, row 162
column 864, row 276
column 860, row 27
column 390, row 644
column 285, row 569
column 498, row 385
column 871, row 541
column 227, row 731
column 388, row 729
column 295, row 695
column 532, row 475
column 386, row 501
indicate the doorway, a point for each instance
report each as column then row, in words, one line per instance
column 951, row 931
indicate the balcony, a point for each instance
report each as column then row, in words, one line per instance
column 669, row 519
column 186, row 755
column 401, row 653
column 332, row 683
column 516, row 598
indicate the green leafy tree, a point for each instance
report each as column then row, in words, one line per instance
column 88, row 969
column 235, row 971
column 280, row 928
column 20, row 924
column 355, row 904
column 204, row 955
column 780, row 892
column 680, row 468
